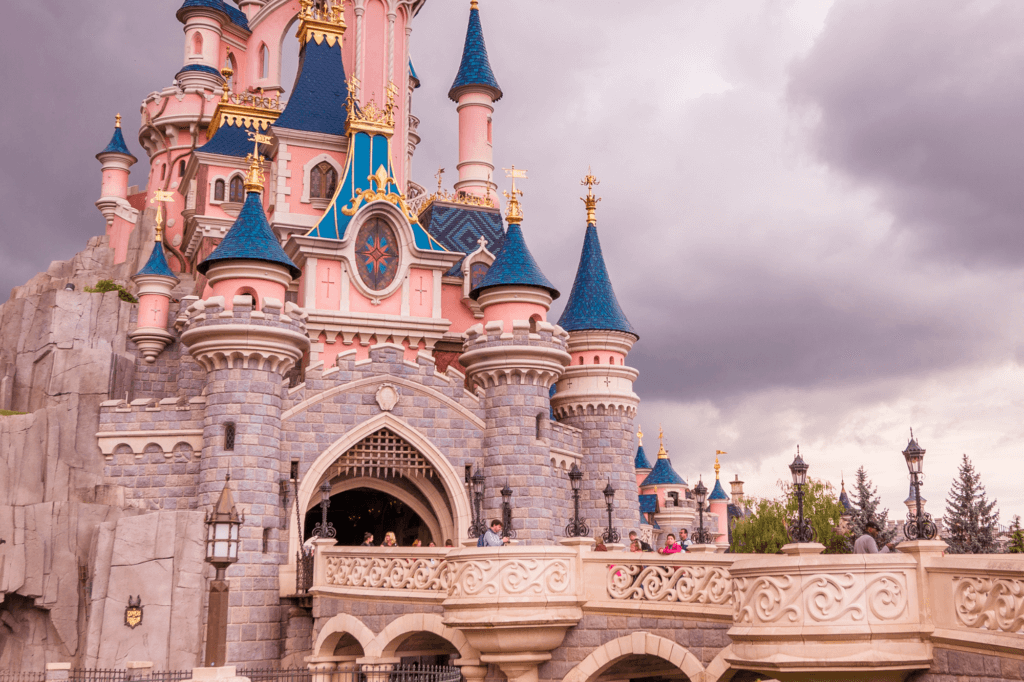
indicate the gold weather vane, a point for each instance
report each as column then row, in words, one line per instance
column 117, row 121
column 439, row 175
column 254, row 179
column 227, row 72
column 640, row 435
column 662, row 453
column 718, row 467
column 514, row 212
column 161, row 197
column 590, row 200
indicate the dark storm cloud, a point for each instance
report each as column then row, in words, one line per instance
column 924, row 100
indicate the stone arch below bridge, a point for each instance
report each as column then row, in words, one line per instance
column 403, row 630
column 342, row 630
column 632, row 650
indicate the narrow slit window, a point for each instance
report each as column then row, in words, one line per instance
column 218, row 190
column 229, row 436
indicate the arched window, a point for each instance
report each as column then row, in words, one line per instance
column 163, row 171
column 477, row 272
column 323, row 180
column 264, row 61
column 229, row 62
column 181, row 168
column 197, row 43
column 237, row 190
column 581, row 359
column 597, row 359
column 218, row 190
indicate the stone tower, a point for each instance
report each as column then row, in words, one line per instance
column 246, row 342
column 515, row 356
column 595, row 393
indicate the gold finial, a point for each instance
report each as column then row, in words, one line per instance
column 640, row 435
column 439, row 174
column 514, row 212
column 718, row 467
column 590, row 200
column 662, row 453
column 161, row 197
column 473, row 4
column 254, row 178
column 227, row 72
column 117, row 121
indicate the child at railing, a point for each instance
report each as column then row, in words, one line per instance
column 671, row 546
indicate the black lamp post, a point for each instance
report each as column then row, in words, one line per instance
column 325, row 529
column 221, row 550
column 611, row 535
column 477, row 481
column 576, row 528
column 701, row 536
column 506, row 512
column 800, row 529
column 919, row 525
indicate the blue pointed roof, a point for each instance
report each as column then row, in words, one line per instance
column 203, row 68
column 157, row 263
column 250, row 238
column 844, row 499
column 117, row 145
column 648, row 504
column 475, row 68
column 514, row 265
column 911, row 496
column 718, row 493
column 640, row 461
column 592, row 303
column 317, row 102
column 235, row 15
column 229, row 140
column 663, row 474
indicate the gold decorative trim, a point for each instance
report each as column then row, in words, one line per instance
column 321, row 24
column 369, row 117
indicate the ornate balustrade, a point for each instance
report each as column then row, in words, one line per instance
column 400, row 573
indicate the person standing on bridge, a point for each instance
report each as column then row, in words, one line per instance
column 492, row 536
column 866, row 544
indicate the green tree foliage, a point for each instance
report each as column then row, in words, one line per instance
column 764, row 531
column 1016, row 544
column 971, row 522
column 865, row 508
column 105, row 285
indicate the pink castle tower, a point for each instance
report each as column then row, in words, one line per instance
column 476, row 90
column 719, row 503
column 113, row 202
column 155, row 281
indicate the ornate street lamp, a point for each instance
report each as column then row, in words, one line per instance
column 221, row 550
column 576, row 528
column 919, row 525
column 477, row 481
column 611, row 535
column 800, row 529
column 324, row 529
column 701, row 536
column 506, row 512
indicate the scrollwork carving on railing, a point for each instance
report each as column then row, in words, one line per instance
column 887, row 597
column 989, row 603
column 767, row 599
column 823, row 598
column 389, row 573
column 512, row 577
column 709, row 585
column 828, row 598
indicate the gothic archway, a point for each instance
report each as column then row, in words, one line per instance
column 369, row 509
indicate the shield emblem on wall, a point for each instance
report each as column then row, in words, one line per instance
column 133, row 612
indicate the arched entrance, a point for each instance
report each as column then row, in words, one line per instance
column 369, row 510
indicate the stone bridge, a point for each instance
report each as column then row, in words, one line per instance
column 568, row 613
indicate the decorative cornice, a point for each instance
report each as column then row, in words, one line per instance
column 244, row 110
column 223, row 346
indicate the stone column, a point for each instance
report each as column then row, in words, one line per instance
column 246, row 355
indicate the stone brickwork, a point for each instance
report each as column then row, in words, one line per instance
column 962, row 666
column 174, row 373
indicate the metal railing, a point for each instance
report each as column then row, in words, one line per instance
column 18, row 676
column 97, row 675
column 276, row 674
column 365, row 673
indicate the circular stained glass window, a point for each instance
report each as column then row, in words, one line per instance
column 377, row 254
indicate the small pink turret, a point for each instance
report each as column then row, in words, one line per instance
column 204, row 29
column 719, row 502
column 155, row 281
column 476, row 90
column 117, row 162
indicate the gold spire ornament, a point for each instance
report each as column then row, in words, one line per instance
column 590, row 200
column 640, row 435
column 369, row 117
column 514, row 211
column 439, row 175
column 254, row 178
column 227, row 72
column 117, row 121
column 718, row 467
column 161, row 197
column 662, row 452
column 321, row 22
column 473, row 4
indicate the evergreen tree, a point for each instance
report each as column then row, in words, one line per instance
column 865, row 508
column 764, row 530
column 1016, row 545
column 970, row 523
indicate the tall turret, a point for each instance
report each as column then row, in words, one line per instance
column 718, row 501
column 595, row 393
column 117, row 162
column 205, row 21
column 476, row 90
column 515, row 356
column 155, row 282
column 641, row 465
column 246, row 343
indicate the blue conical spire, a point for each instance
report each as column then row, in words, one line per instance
column 663, row 473
column 514, row 265
column 317, row 102
column 117, row 144
column 250, row 238
column 157, row 263
column 592, row 303
column 475, row 69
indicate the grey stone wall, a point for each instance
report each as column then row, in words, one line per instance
column 962, row 666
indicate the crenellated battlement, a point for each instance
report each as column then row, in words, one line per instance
column 532, row 352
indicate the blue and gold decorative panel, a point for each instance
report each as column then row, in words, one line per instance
column 376, row 254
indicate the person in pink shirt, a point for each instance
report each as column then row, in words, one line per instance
column 671, row 546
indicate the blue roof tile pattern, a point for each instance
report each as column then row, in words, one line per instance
column 640, row 461
column 648, row 504
column 592, row 303
column 229, row 140
column 317, row 102
column 157, row 263
column 663, row 474
column 718, row 493
column 475, row 68
column 117, row 145
column 844, row 499
column 250, row 238
column 235, row 15
column 514, row 264
column 201, row 67
column 459, row 228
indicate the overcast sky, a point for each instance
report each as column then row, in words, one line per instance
column 812, row 211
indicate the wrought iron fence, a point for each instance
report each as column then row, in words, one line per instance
column 364, row 673
column 168, row 676
column 97, row 675
column 276, row 674
column 18, row 676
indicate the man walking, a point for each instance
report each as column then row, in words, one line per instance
column 492, row 536
column 866, row 544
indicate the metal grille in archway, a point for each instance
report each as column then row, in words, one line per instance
column 383, row 454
